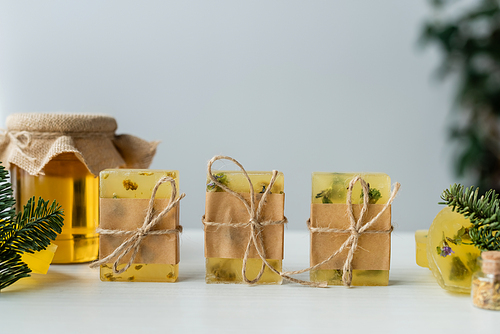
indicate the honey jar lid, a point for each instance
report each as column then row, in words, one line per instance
column 59, row 122
column 34, row 139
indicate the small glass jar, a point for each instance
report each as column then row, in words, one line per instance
column 69, row 182
column 485, row 290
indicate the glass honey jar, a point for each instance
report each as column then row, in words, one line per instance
column 59, row 157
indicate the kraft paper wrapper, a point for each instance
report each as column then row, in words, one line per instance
column 373, row 251
column 231, row 242
column 128, row 214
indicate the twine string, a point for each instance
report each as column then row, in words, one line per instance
column 56, row 134
column 21, row 140
column 132, row 244
column 354, row 226
column 256, row 226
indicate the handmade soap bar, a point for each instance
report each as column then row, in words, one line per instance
column 39, row 262
column 451, row 259
column 328, row 210
column 124, row 198
column 421, row 248
column 225, row 245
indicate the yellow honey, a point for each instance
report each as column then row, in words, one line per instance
column 137, row 184
column 332, row 188
column 69, row 182
column 229, row 270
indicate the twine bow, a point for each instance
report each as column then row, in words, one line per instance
column 254, row 222
column 356, row 228
column 132, row 244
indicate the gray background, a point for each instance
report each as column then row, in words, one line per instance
column 298, row 86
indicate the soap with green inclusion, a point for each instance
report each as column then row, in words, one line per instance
column 227, row 241
column 331, row 189
column 451, row 256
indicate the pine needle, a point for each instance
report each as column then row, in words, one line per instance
column 29, row 231
column 483, row 212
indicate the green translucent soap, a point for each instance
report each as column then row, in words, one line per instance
column 450, row 259
column 229, row 270
column 332, row 188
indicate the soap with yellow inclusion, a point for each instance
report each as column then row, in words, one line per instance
column 123, row 188
column 421, row 248
column 40, row 261
column 229, row 270
column 331, row 188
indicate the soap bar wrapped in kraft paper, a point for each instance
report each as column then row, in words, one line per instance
column 235, row 200
column 351, row 228
column 59, row 156
column 139, row 225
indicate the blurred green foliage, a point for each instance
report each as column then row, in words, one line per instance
column 469, row 39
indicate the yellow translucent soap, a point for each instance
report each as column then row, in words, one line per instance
column 39, row 262
column 332, row 188
column 137, row 183
column 229, row 270
column 421, row 248
column 451, row 259
column 141, row 272
column 220, row 270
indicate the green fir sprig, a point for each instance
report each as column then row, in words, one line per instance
column 326, row 195
column 29, row 231
column 373, row 194
column 482, row 211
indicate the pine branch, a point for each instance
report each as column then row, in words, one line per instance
column 7, row 202
column 34, row 228
column 29, row 231
column 483, row 212
column 12, row 269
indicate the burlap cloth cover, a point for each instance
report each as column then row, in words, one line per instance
column 33, row 139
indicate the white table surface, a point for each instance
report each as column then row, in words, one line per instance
column 72, row 299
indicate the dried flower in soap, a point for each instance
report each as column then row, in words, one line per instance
column 130, row 185
column 222, row 178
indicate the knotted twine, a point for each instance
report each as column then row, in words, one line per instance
column 254, row 222
column 133, row 243
column 356, row 229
